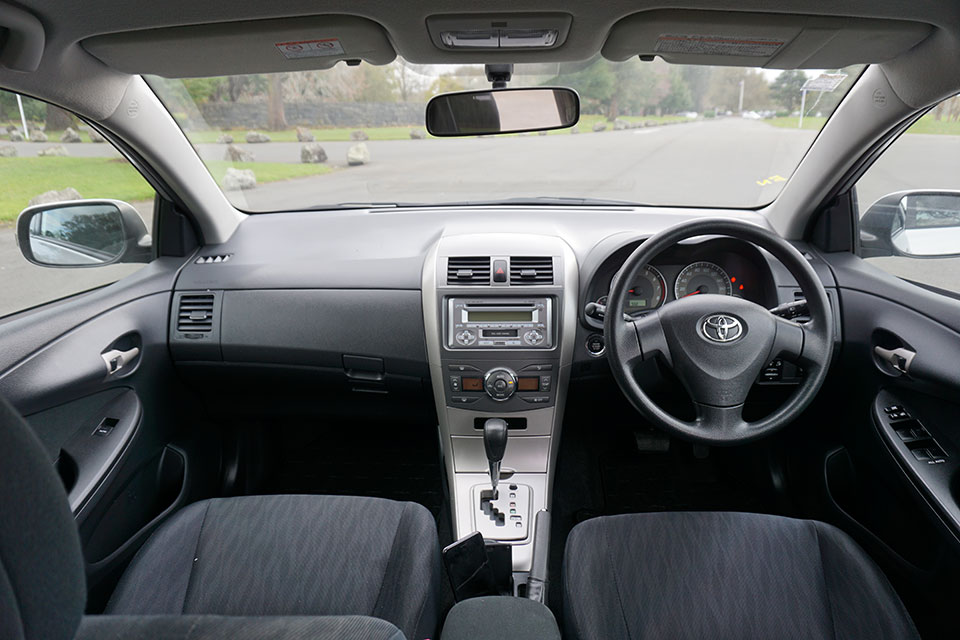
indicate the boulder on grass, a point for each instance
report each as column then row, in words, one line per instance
column 58, row 150
column 16, row 136
column 8, row 151
column 70, row 136
column 358, row 154
column 574, row 129
column 239, row 179
column 600, row 126
column 418, row 134
column 312, row 153
column 95, row 136
column 304, row 135
column 57, row 195
column 38, row 136
column 255, row 137
column 225, row 138
column 236, row 154
column 620, row 125
column 359, row 136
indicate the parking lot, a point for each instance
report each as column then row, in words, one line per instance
column 725, row 162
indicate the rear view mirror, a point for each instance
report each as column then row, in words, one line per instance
column 917, row 224
column 473, row 113
column 83, row 233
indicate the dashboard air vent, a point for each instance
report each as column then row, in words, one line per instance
column 527, row 270
column 195, row 313
column 468, row 270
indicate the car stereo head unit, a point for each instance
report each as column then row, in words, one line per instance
column 499, row 323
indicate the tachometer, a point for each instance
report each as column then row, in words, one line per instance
column 702, row 277
column 647, row 291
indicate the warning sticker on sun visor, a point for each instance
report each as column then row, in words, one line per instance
column 310, row 48
column 716, row 45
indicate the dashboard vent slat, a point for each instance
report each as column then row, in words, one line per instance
column 195, row 313
column 474, row 270
column 531, row 270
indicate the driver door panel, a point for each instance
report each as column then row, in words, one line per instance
column 903, row 425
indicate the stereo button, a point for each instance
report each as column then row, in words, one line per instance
column 533, row 337
column 466, row 337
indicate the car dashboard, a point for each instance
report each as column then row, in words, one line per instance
column 464, row 313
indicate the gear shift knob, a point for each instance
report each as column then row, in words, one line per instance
column 494, row 443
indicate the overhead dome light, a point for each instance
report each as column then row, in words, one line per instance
column 500, row 38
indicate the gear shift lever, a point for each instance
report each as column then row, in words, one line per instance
column 494, row 443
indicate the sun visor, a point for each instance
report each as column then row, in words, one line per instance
column 760, row 40
column 235, row 48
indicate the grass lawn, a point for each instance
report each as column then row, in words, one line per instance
column 342, row 134
column 926, row 124
column 24, row 178
column 322, row 135
column 790, row 122
column 53, row 137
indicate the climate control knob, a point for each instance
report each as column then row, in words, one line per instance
column 500, row 383
column 466, row 337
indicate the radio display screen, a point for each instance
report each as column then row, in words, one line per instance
column 499, row 316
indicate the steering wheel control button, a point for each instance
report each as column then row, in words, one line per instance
column 722, row 328
column 500, row 383
column 466, row 337
column 533, row 337
column 596, row 346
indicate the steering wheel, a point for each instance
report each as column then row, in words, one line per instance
column 717, row 345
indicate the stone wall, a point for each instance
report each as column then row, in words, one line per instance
column 246, row 115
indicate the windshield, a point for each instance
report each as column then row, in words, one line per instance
column 649, row 133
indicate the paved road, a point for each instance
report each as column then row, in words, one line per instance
column 729, row 162
column 677, row 164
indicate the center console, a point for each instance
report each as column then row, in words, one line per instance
column 500, row 314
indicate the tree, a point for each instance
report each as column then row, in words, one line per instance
column 276, row 120
column 444, row 84
column 724, row 92
column 698, row 80
column 57, row 119
column 785, row 89
column 679, row 98
column 595, row 84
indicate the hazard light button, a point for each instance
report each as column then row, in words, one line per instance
column 499, row 270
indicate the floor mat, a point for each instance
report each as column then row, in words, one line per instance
column 398, row 462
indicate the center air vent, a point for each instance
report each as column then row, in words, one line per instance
column 531, row 270
column 195, row 313
column 468, row 271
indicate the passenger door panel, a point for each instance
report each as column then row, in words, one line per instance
column 108, row 429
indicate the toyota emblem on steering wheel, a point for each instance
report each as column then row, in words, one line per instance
column 722, row 328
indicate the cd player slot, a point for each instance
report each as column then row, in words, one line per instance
column 499, row 323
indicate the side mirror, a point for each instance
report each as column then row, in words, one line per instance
column 475, row 113
column 83, row 233
column 916, row 224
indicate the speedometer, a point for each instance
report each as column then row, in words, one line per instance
column 702, row 277
column 647, row 291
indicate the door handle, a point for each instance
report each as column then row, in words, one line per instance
column 900, row 358
column 116, row 360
